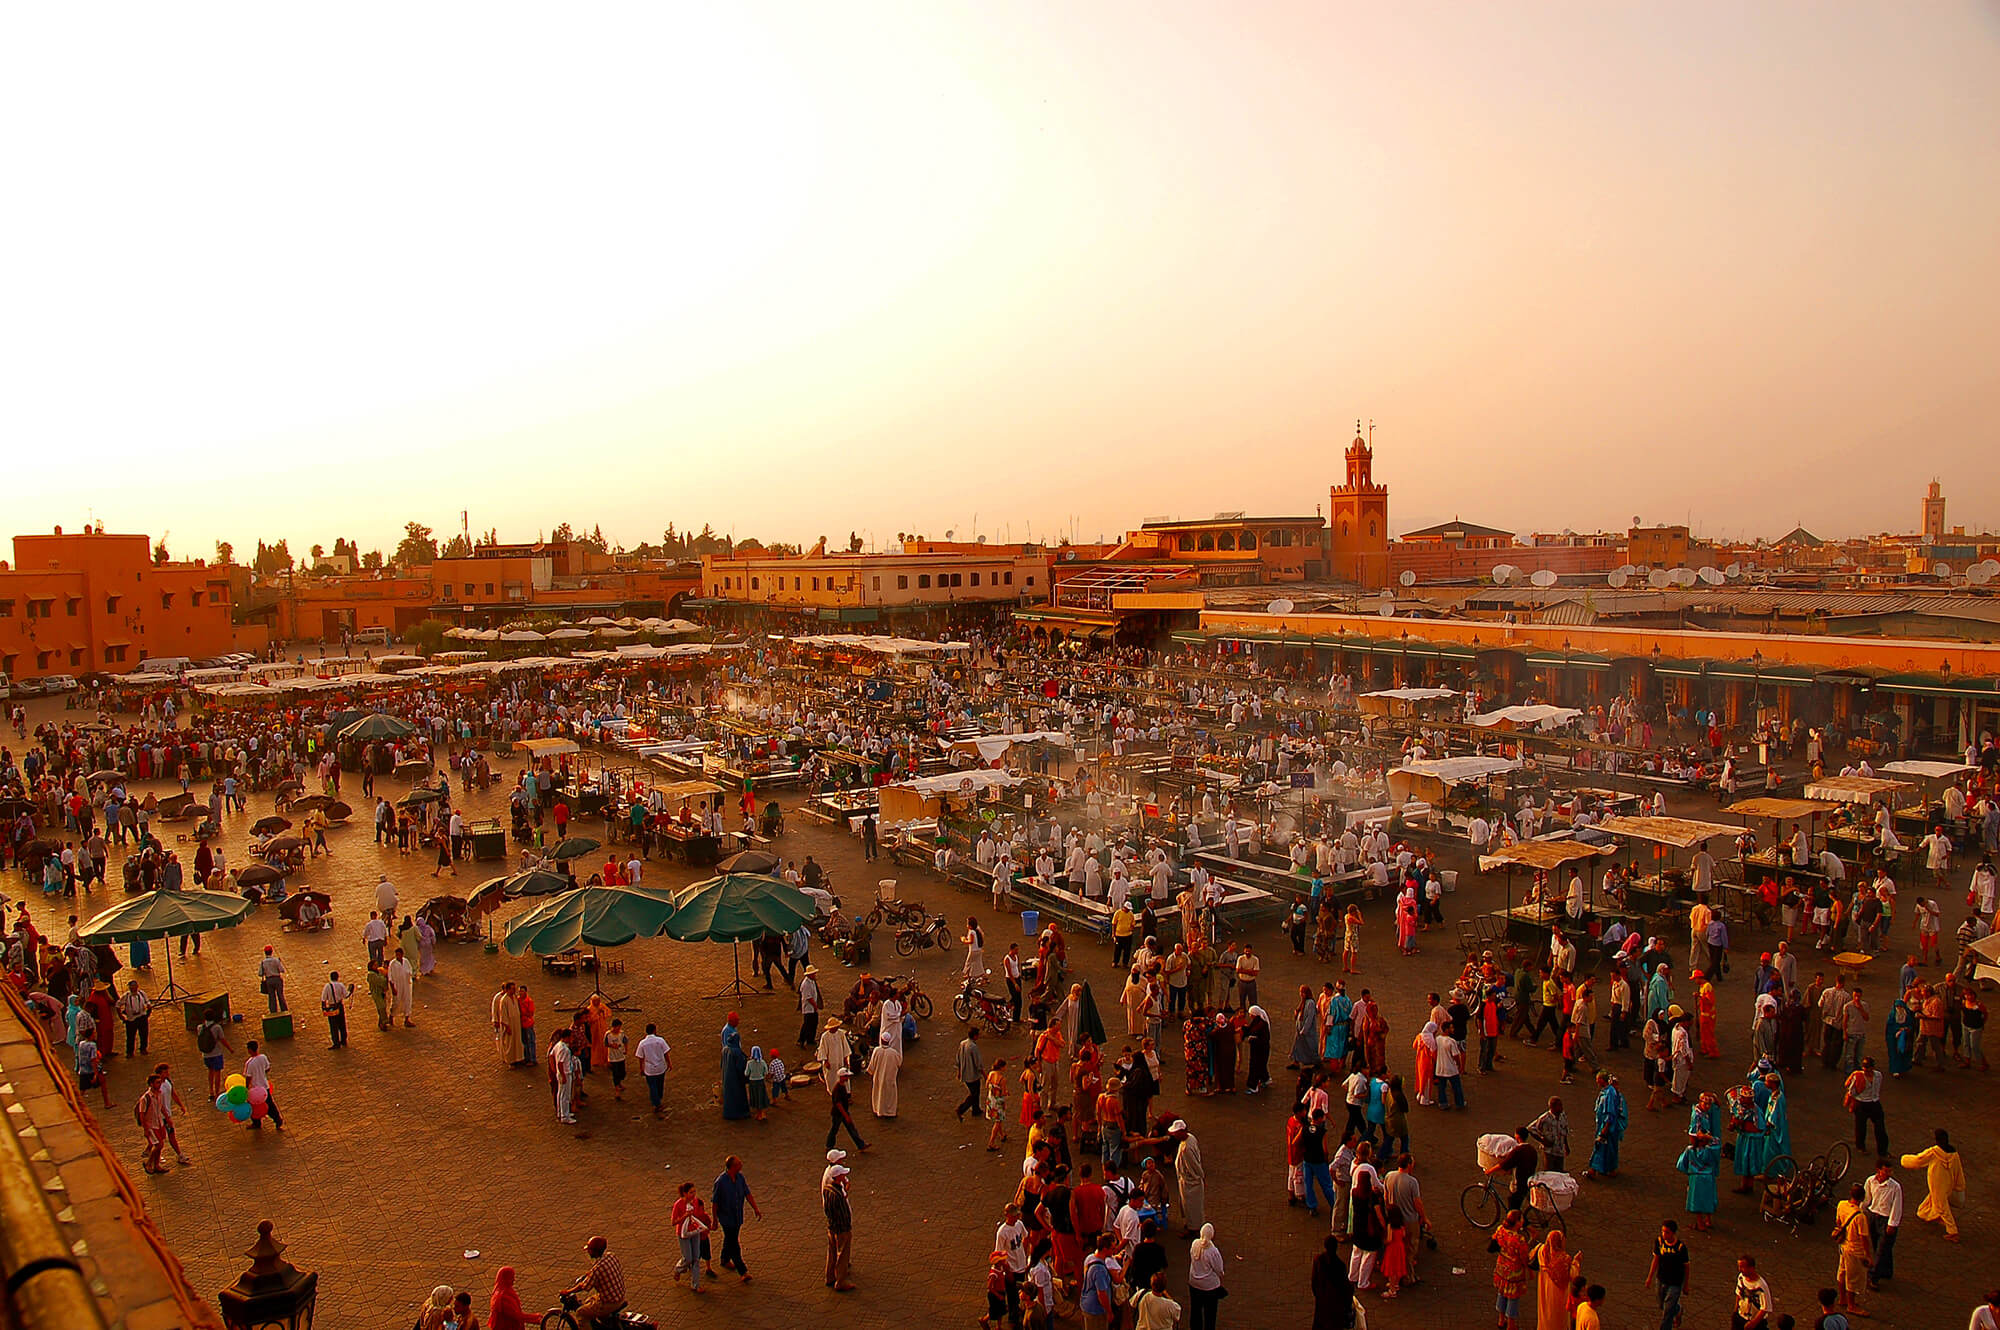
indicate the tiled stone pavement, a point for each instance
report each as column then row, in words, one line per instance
column 415, row 1147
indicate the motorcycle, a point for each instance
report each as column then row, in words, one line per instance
column 913, row 938
column 995, row 1013
column 565, row 1317
column 896, row 912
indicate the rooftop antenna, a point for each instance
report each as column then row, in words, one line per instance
column 1371, row 434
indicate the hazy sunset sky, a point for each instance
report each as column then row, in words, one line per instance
column 800, row 269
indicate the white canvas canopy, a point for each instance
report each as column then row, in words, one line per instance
column 1542, row 718
column 990, row 747
column 1414, row 694
column 1430, row 780
column 1923, row 770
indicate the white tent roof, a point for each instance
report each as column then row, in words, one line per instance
column 991, row 746
column 954, row 781
column 1911, row 766
column 1415, row 694
column 1541, row 717
column 1450, row 769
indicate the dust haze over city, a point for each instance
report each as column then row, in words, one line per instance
column 1167, row 589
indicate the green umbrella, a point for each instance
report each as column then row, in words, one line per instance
column 738, row 907
column 589, row 917
column 573, row 847
column 376, row 726
column 160, row 914
column 533, row 882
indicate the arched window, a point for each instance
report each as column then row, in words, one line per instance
column 1343, row 527
column 1249, row 541
column 1226, row 541
column 1186, row 544
column 1371, row 526
column 1207, row 541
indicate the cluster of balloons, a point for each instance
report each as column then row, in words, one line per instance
column 242, row 1100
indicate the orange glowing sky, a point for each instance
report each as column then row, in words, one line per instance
column 798, row 269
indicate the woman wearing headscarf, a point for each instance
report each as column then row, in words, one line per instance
column 735, row 1074
column 1334, row 1307
column 1900, row 1036
column 1426, row 1046
column 1305, row 1030
column 426, row 945
column 1205, row 1270
column 504, row 1311
column 1558, row 1265
column 1777, row 1123
column 437, row 1312
column 1610, row 1116
column 1222, row 1053
column 1368, row 1228
column 1257, row 1038
column 1944, row 1172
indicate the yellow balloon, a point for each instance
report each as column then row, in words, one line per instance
column 234, row 1081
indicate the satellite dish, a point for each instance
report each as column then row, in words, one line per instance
column 1684, row 577
column 1388, row 610
column 1503, row 574
column 1280, row 606
column 1712, row 576
column 1941, row 569
column 1733, row 570
column 1657, row 578
column 1543, row 578
column 1616, row 576
column 1627, row 569
column 1409, row 577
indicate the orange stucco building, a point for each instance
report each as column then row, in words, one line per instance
column 83, row 602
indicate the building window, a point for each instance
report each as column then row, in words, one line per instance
column 6, row 609
column 194, row 598
column 1031, row 579
column 756, row 584
column 1009, row 575
column 1206, row 541
column 111, row 604
column 1371, row 526
column 71, row 604
column 1226, row 541
column 902, row 581
column 923, row 581
column 76, row 655
column 816, row 583
column 795, row 583
column 166, row 600
column 975, row 579
column 1249, row 541
column 877, row 586
column 1186, row 544
column 489, row 588
column 41, row 660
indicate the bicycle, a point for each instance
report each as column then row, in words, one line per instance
column 1793, row 1195
column 1483, row 1206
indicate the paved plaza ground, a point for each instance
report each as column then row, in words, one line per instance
column 416, row 1158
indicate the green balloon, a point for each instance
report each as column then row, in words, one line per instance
column 239, row 1095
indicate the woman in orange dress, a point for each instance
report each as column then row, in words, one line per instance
column 1425, row 1045
column 1558, row 1265
column 1704, row 1007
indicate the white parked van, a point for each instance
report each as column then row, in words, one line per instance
column 174, row 665
column 371, row 637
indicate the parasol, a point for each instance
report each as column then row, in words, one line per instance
column 589, row 917
column 573, row 847
column 374, row 726
column 737, row 907
column 750, row 861
column 270, row 826
column 296, row 901
column 258, row 875
column 160, row 914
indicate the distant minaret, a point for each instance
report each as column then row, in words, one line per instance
column 1358, row 518
column 1934, row 515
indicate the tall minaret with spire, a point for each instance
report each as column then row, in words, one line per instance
column 1359, row 518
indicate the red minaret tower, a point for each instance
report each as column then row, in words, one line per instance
column 1359, row 527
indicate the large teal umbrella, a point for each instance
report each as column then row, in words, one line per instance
column 162, row 914
column 376, row 726
column 738, row 907
column 588, row 917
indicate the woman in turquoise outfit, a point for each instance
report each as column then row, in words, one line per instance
column 1700, row 1161
column 1705, row 1119
column 1901, row 1036
column 1746, row 1118
column 1339, row 1009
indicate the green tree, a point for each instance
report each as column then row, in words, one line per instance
column 562, row 535
column 319, row 551
column 225, row 553
column 272, row 558
column 418, row 548
column 372, row 560
column 458, row 547
column 854, row 542
column 426, row 638
column 595, row 540
column 160, row 554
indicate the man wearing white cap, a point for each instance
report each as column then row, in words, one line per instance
column 1194, row 1182
column 839, row 1222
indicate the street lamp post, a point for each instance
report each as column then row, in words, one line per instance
column 273, row 1294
